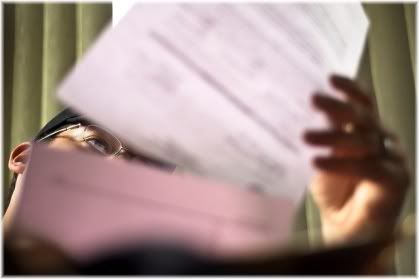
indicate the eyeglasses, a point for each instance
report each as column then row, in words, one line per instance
column 103, row 142
column 97, row 138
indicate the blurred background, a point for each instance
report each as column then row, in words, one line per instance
column 41, row 42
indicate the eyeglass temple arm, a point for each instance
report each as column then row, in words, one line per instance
column 59, row 131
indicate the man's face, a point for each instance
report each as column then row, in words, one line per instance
column 86, row 138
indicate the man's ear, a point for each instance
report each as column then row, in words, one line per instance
column 19, row 157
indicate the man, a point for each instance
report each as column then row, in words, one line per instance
column 359, row 188
column 68, row 131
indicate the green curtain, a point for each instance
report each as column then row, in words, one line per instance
column 42, row 41
column 393, row 67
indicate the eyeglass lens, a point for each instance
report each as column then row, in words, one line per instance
column 101, row 140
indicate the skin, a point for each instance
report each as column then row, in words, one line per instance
column 358, row 188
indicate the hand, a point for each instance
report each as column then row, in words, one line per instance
column 361, row 186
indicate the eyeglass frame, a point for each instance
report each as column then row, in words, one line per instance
column 78, row 125
column 142, row 158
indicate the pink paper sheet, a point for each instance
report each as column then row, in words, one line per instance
column 88, row 205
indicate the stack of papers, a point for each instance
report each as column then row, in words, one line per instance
column 221, row 90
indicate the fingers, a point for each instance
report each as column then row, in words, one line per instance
column 366, row 150
column 350, row 88
column 357, row 143
column 358, row 109
column 339, row 112
column 356, row 131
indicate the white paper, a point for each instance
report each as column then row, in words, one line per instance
column 119, row 10
column 222, row 90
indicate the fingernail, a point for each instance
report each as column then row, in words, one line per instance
column 338, row 80
column 316, row 163
column 319, row 162
column 336, row 76
column 316, row 97
column 318, row 101
column 306, row 136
